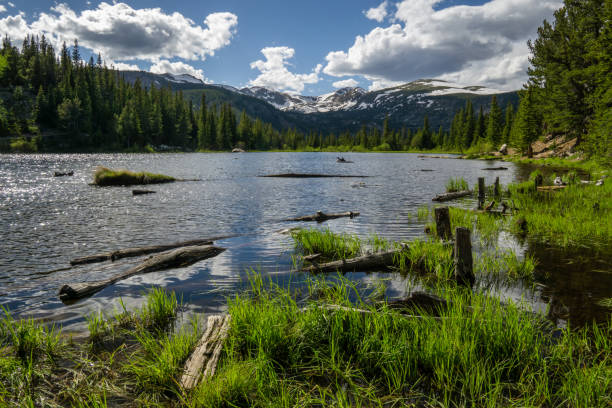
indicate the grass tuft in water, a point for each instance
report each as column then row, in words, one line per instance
column 326, row 243
column 456, row 184
column 107, row 177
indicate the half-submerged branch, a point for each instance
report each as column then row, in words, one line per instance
column 207, row 352
column 320, row 216
column 380, row 260
column 451, row 196
column 133, row 252
column 178, row 258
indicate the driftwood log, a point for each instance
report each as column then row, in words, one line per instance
column 451, row 196
column 132, row 252
column 496, row 168
column 142, row 192
column 60, row 174
column 551, row 188
column 320, row 216
column 178, row 258
column 380, row 260
column 207, row 352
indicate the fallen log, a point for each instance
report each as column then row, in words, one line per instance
column 451, row 196
column 309, row 175
column 207, row 352
column 320, row 216
column 551, row 188
column 178, row 258
column 133, row 252
column 143, row 192
column 496, row 168
column 60, row 174
column 422, row 156
column 311, row 258
column 380, row 260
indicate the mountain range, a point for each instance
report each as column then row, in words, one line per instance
column 344, row 109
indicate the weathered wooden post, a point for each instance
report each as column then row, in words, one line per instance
column 443, row 225
column 497, row 189
column 464, row 265
column 481, row 192
column 538, row 181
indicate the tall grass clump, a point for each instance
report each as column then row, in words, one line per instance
column 477, row 352
column 577, row 215
column 29, row 339
column 107, row 177
column 456, row 184
column 326, row 243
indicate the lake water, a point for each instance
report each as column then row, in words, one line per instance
column 47, row 221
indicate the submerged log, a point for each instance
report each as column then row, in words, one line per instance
column 320, row 216
column 174, row 259
column 311, row 258
column 451, row 196
column 133, row 252
column 496, row 168
column 143, row 192
column 60, row 174
column 380, row 260
column 309, row 175
column 207, row 352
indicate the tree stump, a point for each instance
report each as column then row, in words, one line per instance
column 481, row 192
column 443, row 225
column 464, row 265
column 538, row 181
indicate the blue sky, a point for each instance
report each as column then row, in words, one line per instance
column 307, row 47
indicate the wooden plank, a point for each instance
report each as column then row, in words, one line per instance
column 178, row 258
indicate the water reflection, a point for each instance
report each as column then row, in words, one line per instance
column 46, row 221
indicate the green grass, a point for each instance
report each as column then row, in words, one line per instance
column 107, row 177
column 279, row 354
column 456, row 184
column 326, row 243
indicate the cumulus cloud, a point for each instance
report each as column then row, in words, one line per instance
column 347, row 83
column 177, row 68
column 275, row 74
column 377, row 13
column 121, row 32
column 382, row 83
column 485, row 44
column 2, row 8
column 122, row 66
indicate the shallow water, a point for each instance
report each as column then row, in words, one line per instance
column 46, row 221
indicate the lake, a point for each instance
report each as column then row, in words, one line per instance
column 46, row 221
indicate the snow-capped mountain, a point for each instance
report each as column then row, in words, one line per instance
column 344, row 109
column 352, row 99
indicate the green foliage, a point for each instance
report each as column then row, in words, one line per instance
column 456, row 184
column 326, row 243
column 107, row 177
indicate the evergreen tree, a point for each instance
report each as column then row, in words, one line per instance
column 494, row 124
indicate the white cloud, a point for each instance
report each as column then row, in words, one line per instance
column 121, row 32
column 121, row 66
column 2, row 8
column 377, row 13
column 275, row 75
column 382, row 84
column 177, row 68
column 14, row 26
column 347, row 83
column 485, row 43
column 11, row 4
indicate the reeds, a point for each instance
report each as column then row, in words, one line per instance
column 456, row 184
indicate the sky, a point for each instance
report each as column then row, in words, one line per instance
column 307, row 47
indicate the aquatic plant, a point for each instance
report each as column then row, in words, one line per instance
column 456, row 184
column 107, row 177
